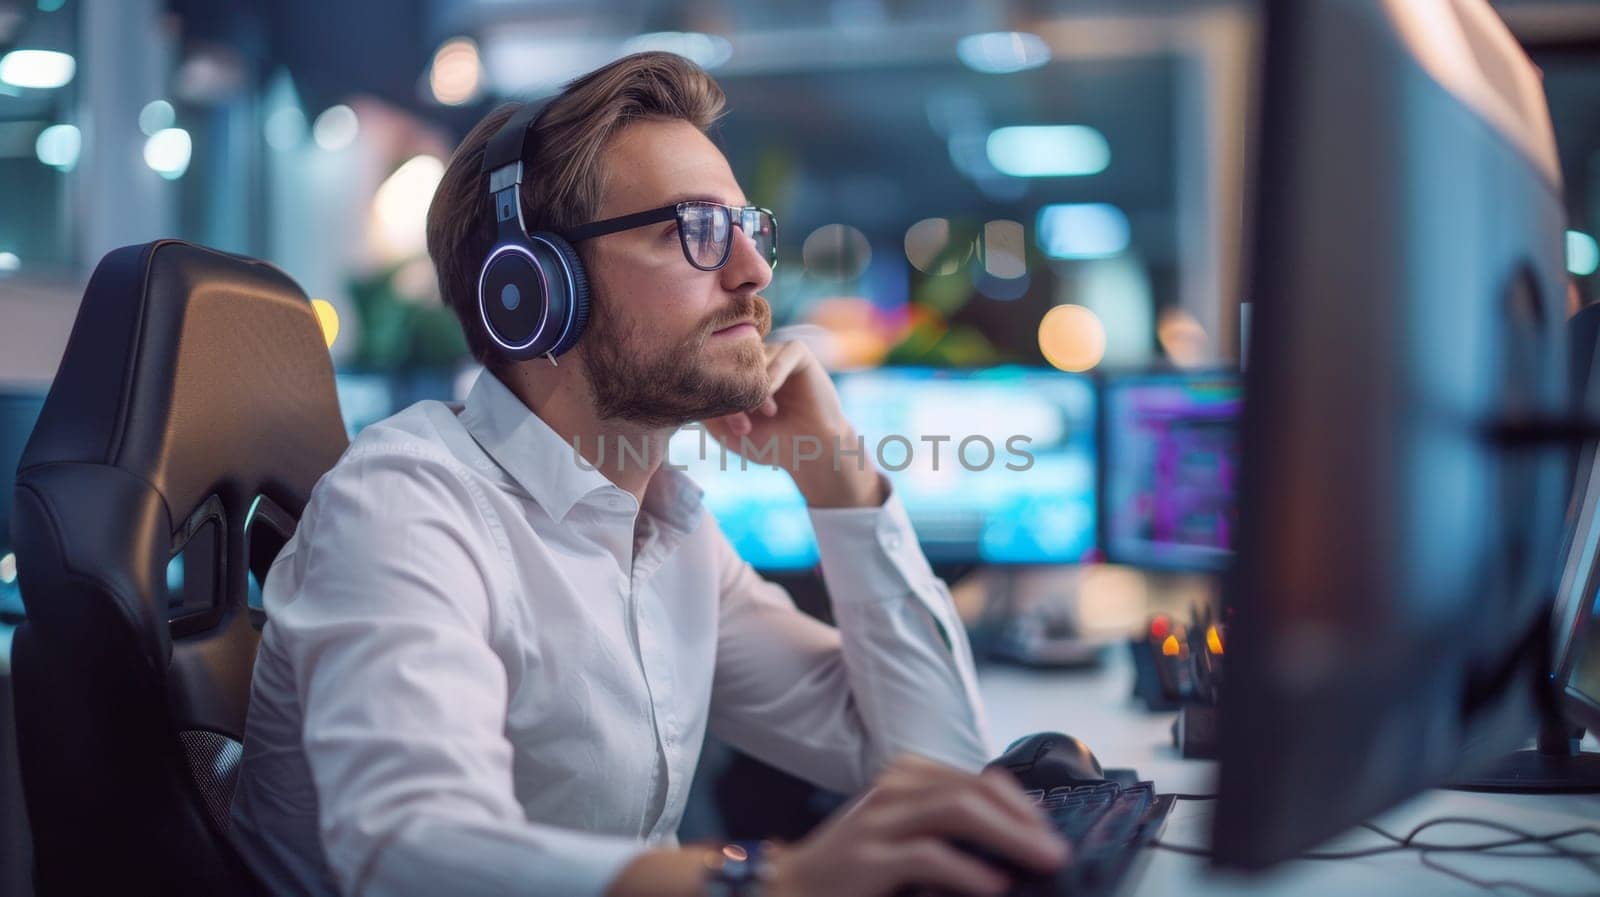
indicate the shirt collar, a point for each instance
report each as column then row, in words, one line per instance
column 550, row 470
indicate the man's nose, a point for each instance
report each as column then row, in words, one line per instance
column 747, row 268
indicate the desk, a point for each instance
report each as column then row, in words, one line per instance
column 1097, row 707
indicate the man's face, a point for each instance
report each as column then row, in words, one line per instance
column 660, row 350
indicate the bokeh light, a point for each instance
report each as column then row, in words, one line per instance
column 836, row 252
column 456, row 73
column 1004, row 249
column 167, row 152
column 38, row 69
column 58, row 146
column 157, row 115
column 1083, row 230
column 400, row 207
column 1037, row 151
column 336, row 128
column 1182, row 338
column 1583, row 253
column 1002, row 52
column 929, row 249
column 1072, row 338
column 327, row 319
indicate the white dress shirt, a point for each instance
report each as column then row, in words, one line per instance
column 479, row 679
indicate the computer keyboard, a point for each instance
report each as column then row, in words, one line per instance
column 1107, row 824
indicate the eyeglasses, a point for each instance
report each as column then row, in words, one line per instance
column 705, row 230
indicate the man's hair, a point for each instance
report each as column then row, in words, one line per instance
column 563, row 184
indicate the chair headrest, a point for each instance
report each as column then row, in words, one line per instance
column 199, row 372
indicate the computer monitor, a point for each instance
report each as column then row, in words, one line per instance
column 994, row 466
column 1169, row 469
column 1400, row 512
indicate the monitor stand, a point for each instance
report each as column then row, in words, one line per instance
column 1556, row 766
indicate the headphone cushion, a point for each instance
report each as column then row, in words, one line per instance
column 580, row 292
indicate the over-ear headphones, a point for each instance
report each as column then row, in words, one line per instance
column 533, row 294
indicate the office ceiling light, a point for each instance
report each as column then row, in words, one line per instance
column 705, row 50
column 336, row 128
column 42, row 69
column 167, row 152
column 58, row 146
column 1583, row 253
column 1047, row 151
column 457, row 72
column 1082, row 230
column 9, row 261
column 1002, row 52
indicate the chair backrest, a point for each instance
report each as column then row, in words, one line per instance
column 192, row 414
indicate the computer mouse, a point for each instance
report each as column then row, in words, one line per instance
column 1046, row 760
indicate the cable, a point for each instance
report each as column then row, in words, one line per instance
column 1409, row 842
column 1194, row 796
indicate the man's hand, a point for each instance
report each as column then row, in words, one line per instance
column 899, row 834
column 801, row 427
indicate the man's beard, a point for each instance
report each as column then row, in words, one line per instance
column 674, row 385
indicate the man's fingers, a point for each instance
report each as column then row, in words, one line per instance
column 1004, row 787
column 935, row 864
column 783, row 363
column 973, row 814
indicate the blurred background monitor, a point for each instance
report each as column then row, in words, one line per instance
column 19, row 409
column 365, row 399
column 1397, row 557
column 1169, row 462
column 1000, row 468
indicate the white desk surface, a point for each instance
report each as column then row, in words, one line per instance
column 1098, row 707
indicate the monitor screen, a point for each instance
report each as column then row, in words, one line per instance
column 1170, row 466
column 993, row 466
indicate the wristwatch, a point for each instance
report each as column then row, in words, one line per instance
column 737, row 869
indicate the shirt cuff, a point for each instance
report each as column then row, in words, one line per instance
column 873, row 551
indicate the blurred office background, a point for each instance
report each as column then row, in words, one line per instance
column 1033, row 186
column 945, row 175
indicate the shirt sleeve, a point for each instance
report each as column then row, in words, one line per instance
column 833, row 705
column 404, row 697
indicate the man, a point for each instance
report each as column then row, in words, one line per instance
column 491, row 662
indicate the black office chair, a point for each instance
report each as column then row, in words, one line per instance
column 193, row 412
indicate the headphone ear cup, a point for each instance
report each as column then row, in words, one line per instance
column 580, row 292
